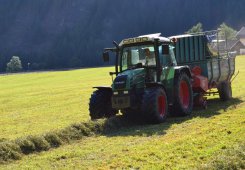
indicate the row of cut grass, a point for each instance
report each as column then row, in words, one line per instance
column 15, row 149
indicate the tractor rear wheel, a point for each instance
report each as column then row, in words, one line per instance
column 154, row 105
column 183, row 96
column 100, row 104
column 225, row 91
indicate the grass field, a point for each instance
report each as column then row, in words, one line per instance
column 37, row 103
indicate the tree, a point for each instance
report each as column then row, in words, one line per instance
column 14, row 65
column 226, row 31
column 195, row 29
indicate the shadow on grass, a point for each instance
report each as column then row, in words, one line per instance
column 139, row 128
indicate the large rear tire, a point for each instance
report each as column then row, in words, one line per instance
column 183, row 96
column 225, row 91
column 100, row 104
column 154, row 105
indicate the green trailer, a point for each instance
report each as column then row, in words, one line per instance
column 195, row 50
column 157, row 76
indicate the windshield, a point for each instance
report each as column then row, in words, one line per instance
column 143, row 55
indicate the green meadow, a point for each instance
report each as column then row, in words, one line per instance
column 35, row 103
column 38, row 103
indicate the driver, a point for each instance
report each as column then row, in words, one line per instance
column 147, row 53
column 149, row 59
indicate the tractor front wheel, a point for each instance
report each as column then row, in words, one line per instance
column 100, row 104
column 154, row 105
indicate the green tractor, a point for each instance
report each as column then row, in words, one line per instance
column 150, row 83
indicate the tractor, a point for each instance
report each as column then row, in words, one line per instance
column 158, row 76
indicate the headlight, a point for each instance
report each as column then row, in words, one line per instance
column 125, row 92
column 115, row 93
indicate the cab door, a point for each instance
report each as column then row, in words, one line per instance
column 168, row 62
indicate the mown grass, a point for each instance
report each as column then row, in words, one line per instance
column 232, row 158
column 207, row 139
column 15, row 149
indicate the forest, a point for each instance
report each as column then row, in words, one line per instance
column 61, row 34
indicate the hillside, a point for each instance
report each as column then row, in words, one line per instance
column 60, row 33
column 42, row 103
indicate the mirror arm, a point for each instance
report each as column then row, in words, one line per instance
column 110, row 49
column 117, row 56
column 116, row 44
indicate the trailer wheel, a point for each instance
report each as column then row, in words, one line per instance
column 100, row 104
column 225, row 91
column 183, row 96
column 154, row 105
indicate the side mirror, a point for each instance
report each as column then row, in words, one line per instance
column 165, row 49
column 106, row 56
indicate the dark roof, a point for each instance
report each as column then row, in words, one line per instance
column 230, row 44
column 241, row 33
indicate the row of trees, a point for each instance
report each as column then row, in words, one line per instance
column 15, row 64
column 66, row 34
column 224, row 30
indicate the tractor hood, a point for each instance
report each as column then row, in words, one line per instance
column 129, row 79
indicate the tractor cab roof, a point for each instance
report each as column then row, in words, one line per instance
column 181, row 36
column 144, row 38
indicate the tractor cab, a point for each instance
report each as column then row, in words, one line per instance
column 149, row 53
